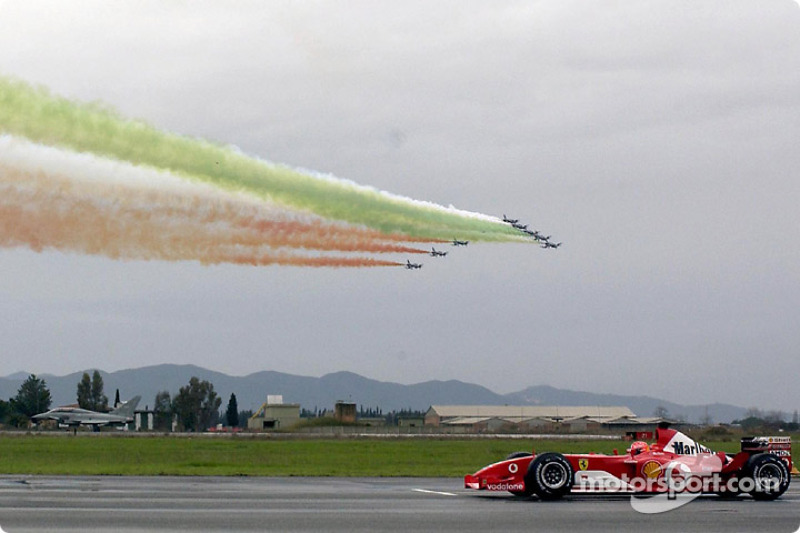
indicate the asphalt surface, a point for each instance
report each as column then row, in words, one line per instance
column 127, row 504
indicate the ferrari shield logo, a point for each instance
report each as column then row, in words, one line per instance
column 583, row 464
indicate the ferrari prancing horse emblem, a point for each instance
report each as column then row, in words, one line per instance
column 583, row 464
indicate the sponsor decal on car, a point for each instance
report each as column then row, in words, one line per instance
column 683, row 445
column 651, row 469
column 583, row 464
column 510, row 487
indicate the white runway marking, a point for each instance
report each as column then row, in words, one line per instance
column 434, row 492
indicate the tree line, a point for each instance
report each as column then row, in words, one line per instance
column 194, row 408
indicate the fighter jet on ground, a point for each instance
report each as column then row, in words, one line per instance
column 412, row 266
column 510, row 220
column 460, row 243
column 75, row 416
column 434, row 253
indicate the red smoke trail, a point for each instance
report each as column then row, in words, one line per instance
column 41, row 211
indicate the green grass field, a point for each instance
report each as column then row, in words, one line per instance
column 65, row 454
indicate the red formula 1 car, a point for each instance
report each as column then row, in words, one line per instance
column 674, row 463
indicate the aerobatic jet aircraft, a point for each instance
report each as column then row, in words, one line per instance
column 510, row 220
column 434, row 253
column 412, row 266
column 460, row 243
column 551, row 245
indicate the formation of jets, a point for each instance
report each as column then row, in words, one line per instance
column 433, row 253
column 544, row 240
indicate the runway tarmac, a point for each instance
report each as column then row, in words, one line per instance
column 133, row 504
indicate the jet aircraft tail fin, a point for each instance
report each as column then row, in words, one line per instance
column 126, row 408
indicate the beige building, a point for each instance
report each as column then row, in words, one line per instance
column 274, row 414
column 498, row 418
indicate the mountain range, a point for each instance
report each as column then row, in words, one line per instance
column 323, row 392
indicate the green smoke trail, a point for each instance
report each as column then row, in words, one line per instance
column 44, row 118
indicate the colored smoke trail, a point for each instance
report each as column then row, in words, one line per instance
column 51, row 198
column 43, row 118
column 42, row 219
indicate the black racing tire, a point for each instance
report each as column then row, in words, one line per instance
column 769, row 474
column 522, row 493
column 550, row 476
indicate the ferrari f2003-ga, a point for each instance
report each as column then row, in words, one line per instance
column 673, row 463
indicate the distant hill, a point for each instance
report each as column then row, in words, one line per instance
column 252, row 390
column 323, row 392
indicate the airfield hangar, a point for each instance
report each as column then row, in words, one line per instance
column 535, row 418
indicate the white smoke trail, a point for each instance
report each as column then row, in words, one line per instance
column 89, row 168
column 330, row 178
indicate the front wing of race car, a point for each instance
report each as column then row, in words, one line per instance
column 503, row 476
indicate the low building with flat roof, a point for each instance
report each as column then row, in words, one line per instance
column 478, row 418
column 274, row 414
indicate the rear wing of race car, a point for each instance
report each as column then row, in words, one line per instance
column 780, row 446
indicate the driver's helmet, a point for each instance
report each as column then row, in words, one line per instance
column 639, row 447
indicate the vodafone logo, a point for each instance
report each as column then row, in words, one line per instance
column 511, row 487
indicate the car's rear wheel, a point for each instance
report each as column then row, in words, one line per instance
column 769, row 475
column 550, row 476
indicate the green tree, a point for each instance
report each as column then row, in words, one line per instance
column 197, row 405
column 5, row 412
column 244, row 416
column 232, row 413
column 99, row 400
column 90, row 392
column 85, row 392
column 163, row 411
column 32, row 398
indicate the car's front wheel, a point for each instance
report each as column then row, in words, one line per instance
column 550, row 476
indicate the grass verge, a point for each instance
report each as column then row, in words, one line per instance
column 242, row 456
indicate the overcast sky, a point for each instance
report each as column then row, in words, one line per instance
column 657, row 140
